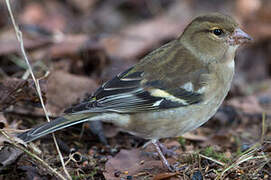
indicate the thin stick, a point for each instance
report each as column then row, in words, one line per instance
column 211, row 159
column 263, row 127
column 13, row 142
column 19, row 36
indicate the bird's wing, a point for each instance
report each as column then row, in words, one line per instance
column 128, row 93
column 168, row 77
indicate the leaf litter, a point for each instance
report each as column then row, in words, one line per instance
column 81, row 48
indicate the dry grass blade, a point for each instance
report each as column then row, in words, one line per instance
column 246, row 156
column 263, row 127
column 211, row 159
column 20, row 39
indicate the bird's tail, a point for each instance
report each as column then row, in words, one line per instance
column 55, row 125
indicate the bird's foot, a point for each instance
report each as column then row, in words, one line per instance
column 160, row 150
column 167, row 152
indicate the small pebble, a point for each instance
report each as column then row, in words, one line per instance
column 264, row 100
column 113, row 151
column 85, row 163
column 245, row 147
column 212, row 175
column 2, row 125
column 117, row 173
column 72, row 150
column 197, row 175
column 103, row 159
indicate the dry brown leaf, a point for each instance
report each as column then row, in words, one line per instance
column 247, row 7
column 83, row 5
column 48, row 15
column 65, row 89
column 133, row 162
column 136, row 39
column 163, row 176
column 193, row 137
column 68, row 46
column 8, row 155
column 9, row 46
column 14, row 90
column 33, row 13
column 249, row 104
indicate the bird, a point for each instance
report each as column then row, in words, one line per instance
column 172, row 90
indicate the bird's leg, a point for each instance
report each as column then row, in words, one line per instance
column 96, row 127
column 167, row 152
column 156, row 143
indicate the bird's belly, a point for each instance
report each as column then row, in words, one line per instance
column 169, row 123
column 162, row 124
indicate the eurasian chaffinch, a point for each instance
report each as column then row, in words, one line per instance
column 174, row 89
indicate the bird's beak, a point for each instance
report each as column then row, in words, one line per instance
column 239, row 37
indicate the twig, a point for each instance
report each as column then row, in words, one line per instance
column 211, row 159
column 12, row 130
column 19, row 36
column 13, row 142
column 263, row 128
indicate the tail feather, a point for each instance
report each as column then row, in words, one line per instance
column 52, row 126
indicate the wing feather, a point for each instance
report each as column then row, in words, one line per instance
column 161, row 80
column 126, row 93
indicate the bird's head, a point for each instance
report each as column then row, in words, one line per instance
column 211, row 36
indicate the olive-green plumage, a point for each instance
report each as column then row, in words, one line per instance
column 173, row 90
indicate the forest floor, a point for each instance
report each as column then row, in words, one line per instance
column 74, row 46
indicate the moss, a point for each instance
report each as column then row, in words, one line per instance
column 182, row 141
column 210, row 152
column 90, row 175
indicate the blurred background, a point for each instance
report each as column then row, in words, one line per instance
column 76, row 45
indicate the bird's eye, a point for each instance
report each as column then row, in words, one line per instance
column 218, row 32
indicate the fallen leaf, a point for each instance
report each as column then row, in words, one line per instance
column 162, row 176
column 130, row 161
column 68, row 46
column 9, row 46
column 8, row 155
column 249, row 104
column 65, row 89
column 14, row 90
column 136, row 39
column 193, row 137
